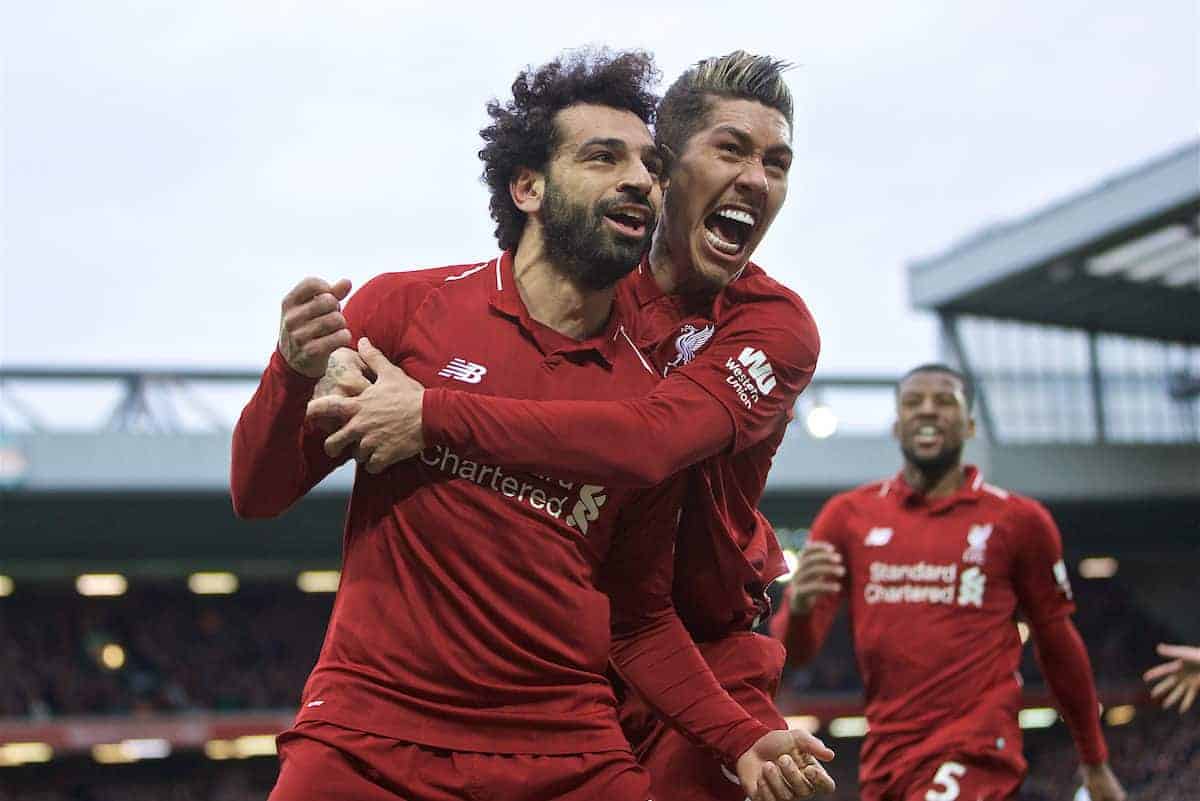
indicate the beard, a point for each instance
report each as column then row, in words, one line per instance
column 936, row 466
column 582, row 247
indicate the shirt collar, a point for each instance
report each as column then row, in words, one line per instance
column 645, row 290
column 902, row 494
column 505, row 298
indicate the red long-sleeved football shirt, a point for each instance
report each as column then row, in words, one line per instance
column 934, row 587
column 733, row 366
column 473, row 612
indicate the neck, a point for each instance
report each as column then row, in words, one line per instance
column 669, row 275
column 935, row 483
column 550, row 297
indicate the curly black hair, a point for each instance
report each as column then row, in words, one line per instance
column 523, row 133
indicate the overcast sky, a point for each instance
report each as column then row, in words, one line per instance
column 172, row 169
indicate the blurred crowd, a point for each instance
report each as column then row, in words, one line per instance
column 178, row 651
column 1156, row 756
column 253, row 650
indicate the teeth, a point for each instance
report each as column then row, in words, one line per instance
column 927, row 431
column 737, row 215
column 720, row 244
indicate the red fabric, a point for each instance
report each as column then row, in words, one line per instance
column 634, row 443
column 973, row 777
column 754, row 319
column 933, row 589
column 749, row 667
column 758, row 346
column 728, row 552
column 1065, row 664
column 321, row 760
column 469, row 616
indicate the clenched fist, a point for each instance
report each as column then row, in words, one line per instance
column 311, row 325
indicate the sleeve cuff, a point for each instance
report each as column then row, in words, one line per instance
column 740, row 741
column 291, row 379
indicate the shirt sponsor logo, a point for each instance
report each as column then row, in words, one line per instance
column 587, row 508
column 750, row 375
column 578, row 507
column 688, row 344
column 463, row 370
column 977, row 540
column 1064, row 582
column 919, row 582
column 924, row 583
column 878, row 536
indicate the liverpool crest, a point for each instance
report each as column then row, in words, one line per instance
column 690, row 340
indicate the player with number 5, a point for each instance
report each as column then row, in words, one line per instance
column 935, row 565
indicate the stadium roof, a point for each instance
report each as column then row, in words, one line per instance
column 1122, row 258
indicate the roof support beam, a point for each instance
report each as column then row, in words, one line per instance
column 1096, row 384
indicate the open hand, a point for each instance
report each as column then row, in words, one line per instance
column 783, row 766
column 1179, row 679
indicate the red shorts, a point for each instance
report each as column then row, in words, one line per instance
column 748, row 666
column 331, row 763
column 952, row 778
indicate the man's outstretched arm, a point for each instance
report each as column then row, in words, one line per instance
column 732, row 395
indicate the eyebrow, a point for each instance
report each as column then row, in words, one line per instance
column 745, row 141
column 601, row 141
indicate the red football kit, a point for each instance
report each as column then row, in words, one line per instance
column 934, row 587
column 752, row 349
column 473, row 613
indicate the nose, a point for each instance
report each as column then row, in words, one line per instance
column 636, row 180
column 927, row 407
column 753, row 178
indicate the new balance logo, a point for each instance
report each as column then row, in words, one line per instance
column 463, row 370
column 878, row 536
column 759, row 368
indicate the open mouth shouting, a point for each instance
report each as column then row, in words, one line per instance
column 630, row 220
column 728, row 230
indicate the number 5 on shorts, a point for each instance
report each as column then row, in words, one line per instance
column 947, row 777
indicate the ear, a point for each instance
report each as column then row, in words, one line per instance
column 896, row 428
column 970, row 433
column 527, row 188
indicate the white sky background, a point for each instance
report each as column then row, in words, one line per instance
column 172, row 169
